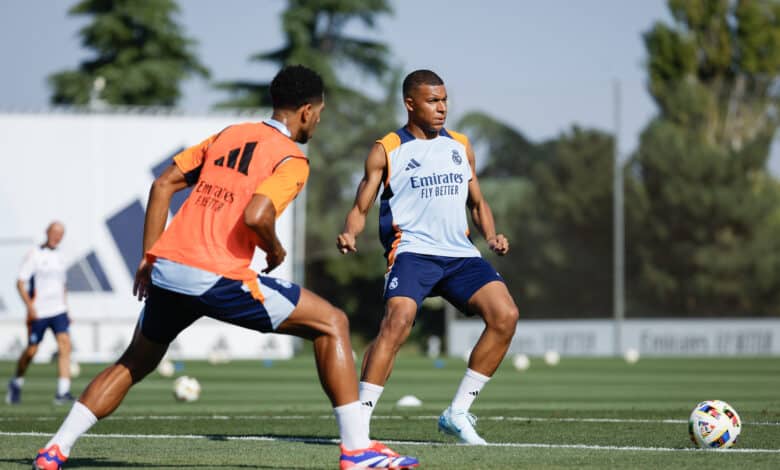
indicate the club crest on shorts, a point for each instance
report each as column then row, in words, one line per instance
column 456, row 157
column 393, row 283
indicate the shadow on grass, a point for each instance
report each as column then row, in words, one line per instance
column 107, row 463
column 270, row 438
column 315, row 440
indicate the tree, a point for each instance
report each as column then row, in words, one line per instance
column 315, row 36
column 554, row 202
column 715, row 69
column 700, row 199
column 141, row 54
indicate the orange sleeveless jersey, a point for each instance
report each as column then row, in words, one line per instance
column 226, row 170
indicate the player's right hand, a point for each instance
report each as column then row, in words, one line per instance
column 143, row 279
column 346, row 243
column 32, row 315
column 274, row 258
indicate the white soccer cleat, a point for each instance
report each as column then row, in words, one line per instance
column 460, row 423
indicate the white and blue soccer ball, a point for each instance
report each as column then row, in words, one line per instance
column 714, row 424
column 186, row 388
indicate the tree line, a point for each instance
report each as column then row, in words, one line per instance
column 702, row 210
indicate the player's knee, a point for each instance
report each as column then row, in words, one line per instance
column 505, row 320
column 396, row 327
column 140, row 358
column 30, row 351
column 339, row 321
column 63, row 343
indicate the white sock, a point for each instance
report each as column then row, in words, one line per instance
column 353, row 431
column 78, row 421
column 369, row 396
column 18, row 381
column 63, row 386
column 468, row 390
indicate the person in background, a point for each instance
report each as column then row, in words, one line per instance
column 41, row 285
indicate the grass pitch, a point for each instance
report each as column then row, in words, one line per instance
column 585, row 413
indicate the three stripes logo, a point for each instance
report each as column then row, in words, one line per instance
column 412, row 165
column 368, row 403
column 474, row 393
column 232, row 158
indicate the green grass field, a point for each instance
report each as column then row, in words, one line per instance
column 585, row 413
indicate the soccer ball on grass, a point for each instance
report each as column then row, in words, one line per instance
column 186, row 388
column 714, row 424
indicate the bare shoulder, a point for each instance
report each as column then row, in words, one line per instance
column 377, row 157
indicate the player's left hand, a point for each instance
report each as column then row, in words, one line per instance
column 499, row 244
column 346, row 243
column 143, row 279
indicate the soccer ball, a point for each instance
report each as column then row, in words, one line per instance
column 552, row 358
column 631, row 356
column 521, row 362
column 186, row 388
column 75, row 370
column 166, row 368
column 714, row 424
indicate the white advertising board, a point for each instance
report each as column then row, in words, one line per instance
column 93, row 172
column 651, row 337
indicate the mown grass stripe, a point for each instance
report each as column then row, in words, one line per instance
column 379, row 417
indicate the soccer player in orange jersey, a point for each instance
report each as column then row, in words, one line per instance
column 242, row 178
column 429, row 179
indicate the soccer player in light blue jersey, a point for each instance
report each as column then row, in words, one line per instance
column 428, row 179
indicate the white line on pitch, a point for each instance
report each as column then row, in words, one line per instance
column 412, row 443
column 380, row 417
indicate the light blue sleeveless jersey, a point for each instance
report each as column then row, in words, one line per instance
column 423, row 205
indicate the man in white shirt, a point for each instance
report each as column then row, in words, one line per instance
column 41, row 285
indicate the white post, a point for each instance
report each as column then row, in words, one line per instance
column 618, row 231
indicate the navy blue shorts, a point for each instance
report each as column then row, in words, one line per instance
column 259, row 306
column 456, row 279
column 58, row 324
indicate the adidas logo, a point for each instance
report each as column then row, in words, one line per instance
column 412, row 164
column 368, row 403
column 474, row 393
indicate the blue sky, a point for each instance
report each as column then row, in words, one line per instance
column 541, row 66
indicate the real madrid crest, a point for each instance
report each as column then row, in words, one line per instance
column 456, row 157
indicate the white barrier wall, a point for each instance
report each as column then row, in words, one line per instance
column 93, row 172
column 104, row 341
column 662, row 337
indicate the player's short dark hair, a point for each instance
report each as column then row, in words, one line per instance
column 420, row 77
column 295, row 86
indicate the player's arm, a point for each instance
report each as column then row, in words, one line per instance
column 169, row 182
column 164, row 187
column 21, row 287
column 25, row 273
column 480, row 211
column 184, row 172
column 270, row 199
column 375, row 167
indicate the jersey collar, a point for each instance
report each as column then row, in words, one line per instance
column 279, row 126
